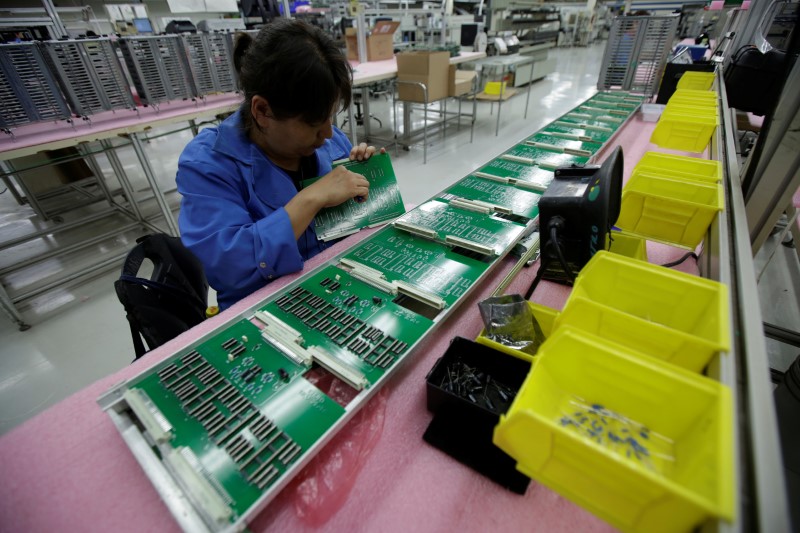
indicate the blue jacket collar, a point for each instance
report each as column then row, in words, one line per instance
column 232, row 139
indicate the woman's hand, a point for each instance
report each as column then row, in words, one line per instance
column 363, row 152
column 340, row 185
column 334, row 188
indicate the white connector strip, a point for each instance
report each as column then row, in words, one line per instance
column 584, row 126
column 184, row 466
column 487, row 176
column 561, row 149
column 591, row 108
column 550, row 165
column 342, row 233
column 283, row 337
column 360, row 267
column 572, row 137
column 368, row 275
column 609, row 118
column 560, row 135
column 538, row 187
column 518, row 159
column 494, row 207
column 415, row 229
column 546, row 146
column 471, row 205
column 579, row 115
column 578, row 152
column 339, row 368
column 470, row 245
column 424, row 297
column 153, row 420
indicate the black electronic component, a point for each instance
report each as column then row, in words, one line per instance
column 377, row 300
column 229, row 343
column 251, row 373
column 325, row 282
column 576, row 214
column 283, row 374
column 334, row 286
column 238, row 350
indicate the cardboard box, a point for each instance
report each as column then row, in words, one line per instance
column 380, row 41
column 429, row 68
column 46, row 178
column 460, row 81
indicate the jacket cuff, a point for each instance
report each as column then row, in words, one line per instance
column 277, row 253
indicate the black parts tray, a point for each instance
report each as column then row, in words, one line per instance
column 468, row 389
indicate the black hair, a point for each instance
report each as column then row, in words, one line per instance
column 296, row 67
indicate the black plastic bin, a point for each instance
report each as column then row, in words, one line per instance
column 468, row 389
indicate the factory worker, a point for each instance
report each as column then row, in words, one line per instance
column 244, row 213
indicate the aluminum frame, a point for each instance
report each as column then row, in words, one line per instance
column 210, row 57
column 636, row 53
column 90, row 75
column 28, row 91
column 158, row 67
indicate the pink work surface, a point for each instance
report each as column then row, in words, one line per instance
column 43, row 133
column 68, row 468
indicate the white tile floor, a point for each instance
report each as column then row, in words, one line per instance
column 79, row 332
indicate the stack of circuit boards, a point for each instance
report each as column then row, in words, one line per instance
column 225, row 423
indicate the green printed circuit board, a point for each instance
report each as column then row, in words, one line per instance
column 498, row 197
column 221, row 426
column 383, row 203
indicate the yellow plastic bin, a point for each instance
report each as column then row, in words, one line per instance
column 690, row 133
column 495, row 87
column 692, row 93
column 698, row 97
column 659, row 304
column 546, row 317
column 696, row 80
column 671, row 211
column 627, row 245
column 571, row 424
column 690, row 108
column 648, row 338
column 680, row 167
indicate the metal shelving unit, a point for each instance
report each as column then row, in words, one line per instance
column 210, row 58
column 159, row 68
column 636, row 53
column 89, row 74
column 28, row 91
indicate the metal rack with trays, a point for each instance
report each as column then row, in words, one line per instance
column 159, row 68
column 28, row 91
column 210, row 57
column 636, row 53
column 89, row 74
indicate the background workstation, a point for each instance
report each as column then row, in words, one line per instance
column 51, row 361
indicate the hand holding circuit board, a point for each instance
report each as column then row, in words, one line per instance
column 362, row 152
column 382, row 203
column 339, row 185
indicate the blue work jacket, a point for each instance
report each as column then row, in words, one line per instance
column 232, row 212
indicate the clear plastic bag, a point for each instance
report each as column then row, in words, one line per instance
column 509, row 321
column 323, row 486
